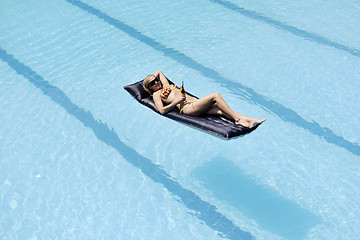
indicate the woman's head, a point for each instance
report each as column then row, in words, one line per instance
column 151, row 82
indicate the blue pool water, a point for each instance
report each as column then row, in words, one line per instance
column 81, row 159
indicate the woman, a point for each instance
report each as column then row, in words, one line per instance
column 167, row 96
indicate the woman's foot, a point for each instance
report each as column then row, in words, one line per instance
column 258, row 122
column 249, row 122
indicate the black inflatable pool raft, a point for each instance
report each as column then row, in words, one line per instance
column 216, row 125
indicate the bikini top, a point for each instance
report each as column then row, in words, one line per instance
column 166, row 91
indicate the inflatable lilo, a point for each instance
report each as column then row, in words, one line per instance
column 210, row 113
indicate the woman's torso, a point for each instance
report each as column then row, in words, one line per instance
column 171, row 92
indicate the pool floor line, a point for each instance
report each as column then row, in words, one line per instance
column 203, row 210
column 246, row 93
column 286, row 27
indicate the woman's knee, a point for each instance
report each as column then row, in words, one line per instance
column 216, row 96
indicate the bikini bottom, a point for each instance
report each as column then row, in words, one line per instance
column 186, row 103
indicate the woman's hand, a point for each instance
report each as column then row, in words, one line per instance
column 179, row 99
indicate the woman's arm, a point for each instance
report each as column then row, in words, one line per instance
column 160, row 105
column 162, row 78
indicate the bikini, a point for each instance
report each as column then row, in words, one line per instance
column 166, row 92
column 186, row 103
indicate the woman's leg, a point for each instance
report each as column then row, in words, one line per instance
column 215, row 110
column 204, row 104
column 215, row 104
column 244, row 121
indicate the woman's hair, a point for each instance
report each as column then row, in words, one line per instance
column 146, row 83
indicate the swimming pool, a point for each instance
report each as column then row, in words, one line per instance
column 81, row 159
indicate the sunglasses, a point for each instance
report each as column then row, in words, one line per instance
column 153, row 82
